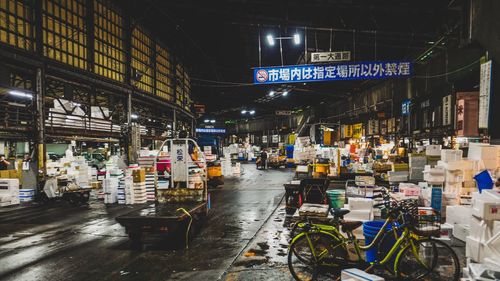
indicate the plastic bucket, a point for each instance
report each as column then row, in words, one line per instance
column 484, row 180
column 370, row 230
column 337, row 198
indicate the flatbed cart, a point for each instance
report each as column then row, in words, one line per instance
column 177, row 210
column 61, row 189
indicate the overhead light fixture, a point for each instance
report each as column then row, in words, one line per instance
column 212, row 121
column 285, row 93
column 20, row 94
column 271, row 93
column 270, row 40
column 296, row 39
column 252, row 112
column 206, row 121
column 134, row 116
column 169, row 126
column 243, row 111
column 77, row 104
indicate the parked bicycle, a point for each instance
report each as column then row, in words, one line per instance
column 320, row 251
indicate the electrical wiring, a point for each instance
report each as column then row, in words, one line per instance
column 448, row 73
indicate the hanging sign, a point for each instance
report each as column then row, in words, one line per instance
column 460, row 117
column 264, row 139
column 284, row 112
column 211, row 130
column 484, row 94
column 331, row 56
column 357, row 130
column 275, row 138
column 405, row 107
column 335, row 72
column 447, row 110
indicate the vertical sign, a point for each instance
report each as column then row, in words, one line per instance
column 179, row 165
column 460, row 117
column 484, row 94
column 447, row 110
column 264, row 139
column 275, row 138
column 357, row 130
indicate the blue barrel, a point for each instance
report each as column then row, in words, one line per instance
column 484, row 180
column 370, row 230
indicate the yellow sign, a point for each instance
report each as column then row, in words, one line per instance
column 347, row 131
column 357, row 130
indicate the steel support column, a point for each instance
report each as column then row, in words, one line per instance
column 40, row 121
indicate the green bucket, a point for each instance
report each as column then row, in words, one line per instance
column 337, row 198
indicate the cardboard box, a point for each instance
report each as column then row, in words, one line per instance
column 139, row 175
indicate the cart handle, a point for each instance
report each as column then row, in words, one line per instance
column 189, row 225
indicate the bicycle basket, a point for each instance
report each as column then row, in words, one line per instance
column 424, row 221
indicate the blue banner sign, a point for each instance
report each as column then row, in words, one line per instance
column 405, row 107
column 331, row 72
column 211, row 130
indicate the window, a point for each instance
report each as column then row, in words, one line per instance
column 64, row 31
column 163, row 74
column 109, row 57
column 142, row 71
column 16, row 24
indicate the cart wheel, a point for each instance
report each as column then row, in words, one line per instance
column 73, row 199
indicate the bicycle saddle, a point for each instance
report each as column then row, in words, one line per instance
column 339, row 213
column 350, row 225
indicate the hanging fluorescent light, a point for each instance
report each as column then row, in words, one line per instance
column 243, row 111
column 134, row 116
column 271, row 93
column 206, row 121
column 20, row 94
column 296, row 39
column 212, row 121
column 270, row 40
column 285, row 93
column 77, row 104
column 252, row 112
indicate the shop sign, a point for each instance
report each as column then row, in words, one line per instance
column 284, row 112
column 460, row 117
column 347, row 131
column 335, row 72
column 484, row 94
column 211, row 130
column 391, row 125
column 331, row 56
column 199, row 109
column 425, row 104
column 357, row 130
column 264, row 139
column 373, row 127
column 405, row 107
column 275, row 138
column 179, row 163
column 383, row 127
column 447, row 110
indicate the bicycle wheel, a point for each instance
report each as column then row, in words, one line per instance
column 428, row 259
column 383, row 248
column 316, row 256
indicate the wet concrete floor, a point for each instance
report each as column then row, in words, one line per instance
column 244, row 238
column 63, row 242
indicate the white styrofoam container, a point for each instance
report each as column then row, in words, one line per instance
column 433, row 150
column 458, row 214
column 360, row 203
column 474, row 249
column 461, row 231
column 486, row 208
column 355, row 274
column 451, row 155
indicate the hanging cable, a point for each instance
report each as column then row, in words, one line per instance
column 448, row 73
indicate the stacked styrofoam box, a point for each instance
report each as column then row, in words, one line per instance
column 409, row 189
column 354, row 274
column 451, row 155
column 138, row 192
column 458, row 217
column 150, row 187
column 434, row 175
column 399, row 176
column 417, row 166
column 110, row 188
column 489, row 155
column 433, row 150
column 484, row 239
column 361, row 209
column 9, row 192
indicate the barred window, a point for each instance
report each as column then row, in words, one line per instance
column 163, row 74
column 109, row 57
column 64, row 31
column 142, row 70
column 16, row 24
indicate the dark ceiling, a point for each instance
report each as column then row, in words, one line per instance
column 218, row 41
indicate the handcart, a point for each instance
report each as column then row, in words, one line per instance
column 178, row 208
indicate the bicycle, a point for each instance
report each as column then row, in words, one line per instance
column 323, row 252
